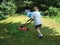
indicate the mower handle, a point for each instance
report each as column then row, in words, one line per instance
column 28, row 22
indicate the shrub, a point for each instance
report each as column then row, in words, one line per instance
column 10, row 8
column 2, row 15
column 52, row 11
column 7, row 9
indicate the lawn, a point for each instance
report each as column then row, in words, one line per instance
column 10, row 35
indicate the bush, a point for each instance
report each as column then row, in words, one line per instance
column 52, row 11
column 2, row 15
column 7, row 9
column 10, row 8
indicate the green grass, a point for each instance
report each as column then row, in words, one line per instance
column 10, row 35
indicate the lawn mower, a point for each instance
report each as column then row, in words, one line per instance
column 24, row 27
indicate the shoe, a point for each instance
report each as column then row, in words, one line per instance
column 40, row 36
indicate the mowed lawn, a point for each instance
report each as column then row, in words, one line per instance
column 10, row 35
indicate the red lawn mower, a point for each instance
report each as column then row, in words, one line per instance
column 24, row 27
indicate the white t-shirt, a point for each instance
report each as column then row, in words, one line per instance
column 36, row 16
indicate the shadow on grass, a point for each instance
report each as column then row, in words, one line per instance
column 10, row 35
column 49, row 31
column 44, row 29
column 8, row 29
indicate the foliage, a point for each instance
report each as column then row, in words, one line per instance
column 42, row 4
column 43, row 7
column 23, row 3
column 11, row 8
column 7, row 9
column 27, row 3
column 52, row 11
column 55, row 3
column 1, row 15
